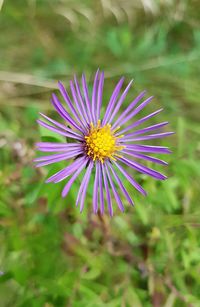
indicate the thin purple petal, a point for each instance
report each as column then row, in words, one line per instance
column 82, row 186
column 148, row 148
column 146, row 138
column 67, row 171
column 60, row 149
column 58, row 131
column 138, row 122
column 56, row 145
column 110, row 208
column 101, row 196
column 85, row 185
column 95, row 190
column 144, row 157
column 87, row 99
column 69, row 103
column 81, row 100
column 94, row 96
column 115, row 193
column 130, row 179
column 136, row 111
column 78, row 106
column 58, row 124
column 112, row 101
column 120, row 101
column 61, row 126
column 54, row 156
column 147, row 129
column 119, row 182
column 128, row 109
column 143, row 169
column 62, row 157
column 63, row 113
column 99, row 96
column 72, row 179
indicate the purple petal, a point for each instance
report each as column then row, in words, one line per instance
column 112, row 101
column 58, row 124
column 147, row 129
column 99, row 96
column 143, row 169
column 120, row 101
column 62, row 157
column 58, row 107
column 79, row 107
column 130, row 179
column 63, row 127
column 72, row 179
column 101, row 196
column 136, row 111
column 69, row 103
column 78, row 90
column 54, row 156
column 67, row 171
column 87, row 99
column 58, row 131
column 81, row 188
column 119, row 182
column 128, row 109
column 60, row 149
column 148, row 148
column 84, row 185
column 94, row 97
column 138, row 122
column 144, row 157
column 110, row 209
column 146, row 138
column 115, row 193
column 56, row 145
column 95, row 190
column 63, row 113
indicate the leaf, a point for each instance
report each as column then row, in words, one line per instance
column 170, row 302
column 1, row 4
column 132, row 298
column 5, row 210
column 181, row 136
column 46, row 133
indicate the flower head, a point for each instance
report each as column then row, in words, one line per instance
column 101, row 144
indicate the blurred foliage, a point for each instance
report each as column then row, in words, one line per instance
column 51, row 255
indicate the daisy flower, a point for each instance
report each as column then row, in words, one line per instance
column 101, row 144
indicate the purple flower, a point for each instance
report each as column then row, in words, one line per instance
column 99, row 145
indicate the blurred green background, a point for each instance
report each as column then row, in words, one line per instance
column 51, row 255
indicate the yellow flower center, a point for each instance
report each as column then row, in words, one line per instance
column 101, row 142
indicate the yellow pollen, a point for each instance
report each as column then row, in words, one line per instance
column 101, row 142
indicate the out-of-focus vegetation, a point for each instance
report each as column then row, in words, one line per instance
column 51, row 255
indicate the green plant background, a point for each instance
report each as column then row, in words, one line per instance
column 51, row 255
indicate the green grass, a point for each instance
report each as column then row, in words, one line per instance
column 51, row 255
